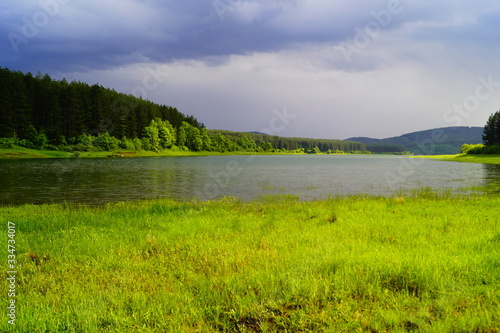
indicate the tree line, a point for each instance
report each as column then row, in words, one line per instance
column 250, row 140
column 61, row 109
column 491, row 138
column 41, row 113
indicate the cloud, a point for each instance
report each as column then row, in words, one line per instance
column 232, row 61
column 104, row 33
column 240, row 94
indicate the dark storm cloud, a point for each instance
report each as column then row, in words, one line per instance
column 69, row 34
column 343, row 67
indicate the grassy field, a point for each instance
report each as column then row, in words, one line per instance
column 357, row 264
column 21, row 152
column 486, row 159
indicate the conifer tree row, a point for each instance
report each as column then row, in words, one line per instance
column 247, row 140
column 491, row 134
column 41, row 113
column 69, row 109
column 491, row 138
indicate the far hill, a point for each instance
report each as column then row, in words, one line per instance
column 287, row 143
column 445, row 140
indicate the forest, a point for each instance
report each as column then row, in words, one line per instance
column 39, row 112
column 61, row 109
column 491, row 138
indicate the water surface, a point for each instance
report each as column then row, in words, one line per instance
column 101, row 180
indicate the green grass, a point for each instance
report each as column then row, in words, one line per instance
column 486, row 159
column 358, row 264
column 21, row 152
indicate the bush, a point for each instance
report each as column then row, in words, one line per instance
column 40, row 141
column 26, row 144
column 472, row 149
column 81, row 147
column 65, row 148
column 106, row 142
column 84, row 142
column 137, row 144
column 145, row 144
column 315, row 150
column 8, row 143
column 52, row 147
column 493, row 149
column 126, row 144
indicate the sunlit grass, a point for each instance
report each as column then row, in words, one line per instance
column 486, row 159
column 20, row 152
column 425, row 262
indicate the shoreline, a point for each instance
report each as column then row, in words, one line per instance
column 21, row 153
column 464, row 158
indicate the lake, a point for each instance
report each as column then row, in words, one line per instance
column 101, row 180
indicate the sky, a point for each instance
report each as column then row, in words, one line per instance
column 301, row 68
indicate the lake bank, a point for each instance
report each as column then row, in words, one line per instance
column 427, row 263
column 32, row 153
column 485, row 159
column 21, row 152
column 98, row 181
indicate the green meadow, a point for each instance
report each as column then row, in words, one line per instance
column 20, row 152
column 470, row 158
column 428, row 263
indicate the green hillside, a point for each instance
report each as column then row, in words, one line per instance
column 61, row 109
column 446, row 140
column 290, row 143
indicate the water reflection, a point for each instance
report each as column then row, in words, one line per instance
column 492, row 177
column 97, row 181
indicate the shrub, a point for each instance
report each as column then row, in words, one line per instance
column 106, row 142
column 493, row 149
column 81, row 147
column 65, row 148
column 145, row 144
column 84, row 142
column 26, row 144
column 126, row 143
column 472, row 149
column 52, row 147
column 40, row 141
column 315, row 150
column 8, row 143
column 137, row 144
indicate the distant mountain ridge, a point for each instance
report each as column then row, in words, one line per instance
column 445, row 140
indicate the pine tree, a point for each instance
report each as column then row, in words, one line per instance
column 7, row 124
column 60, row 110
column 491, row 133
column 21, row 107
